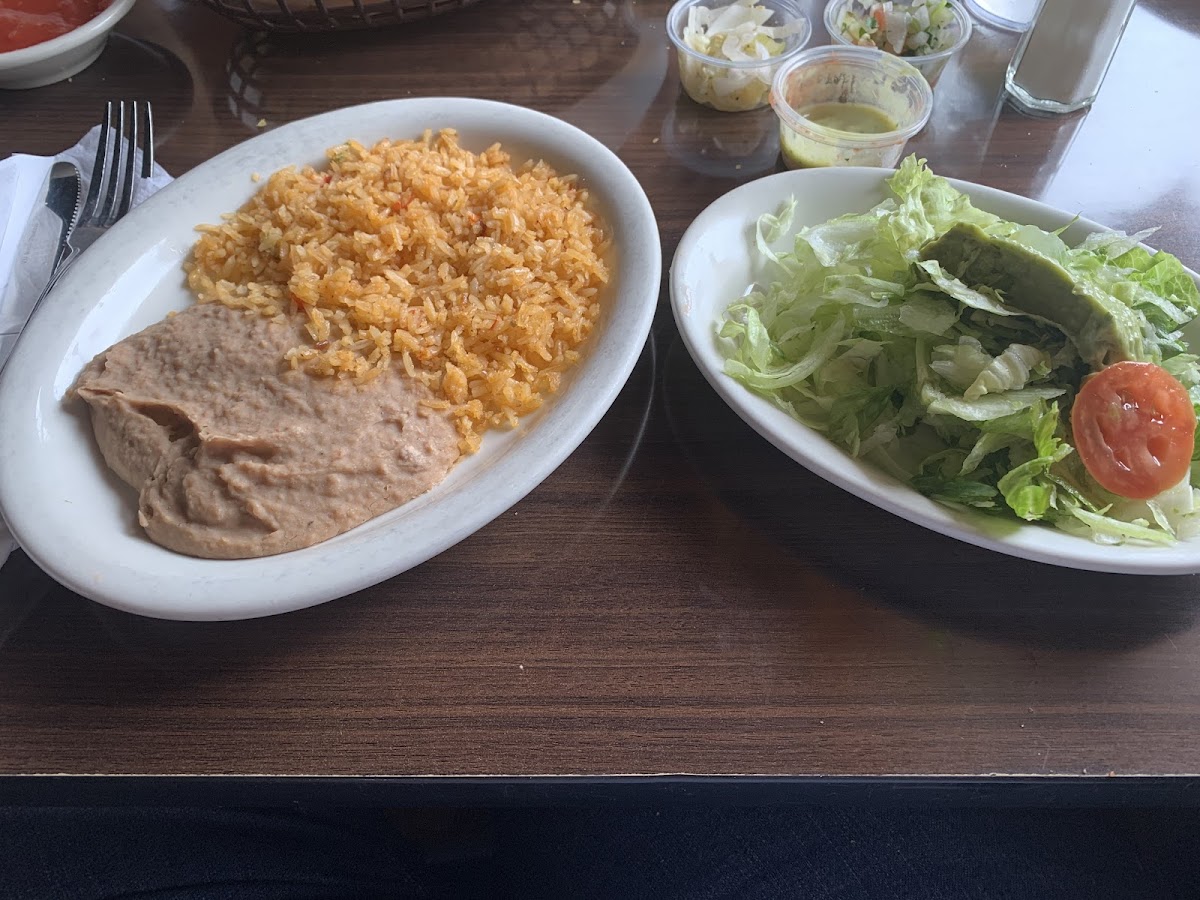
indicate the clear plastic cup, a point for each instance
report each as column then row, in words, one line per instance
column 733, row 86
column 848, row 75
column 1007, row 15
column 931, row 64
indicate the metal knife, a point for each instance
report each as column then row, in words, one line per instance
column 63, row 200
column 40, row 254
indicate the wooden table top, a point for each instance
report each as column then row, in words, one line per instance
column 678, row 597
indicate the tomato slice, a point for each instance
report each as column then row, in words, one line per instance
column 1135, row 428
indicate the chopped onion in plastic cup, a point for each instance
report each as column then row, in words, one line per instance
column 729, row 53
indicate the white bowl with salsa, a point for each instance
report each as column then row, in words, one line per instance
column 35, row 50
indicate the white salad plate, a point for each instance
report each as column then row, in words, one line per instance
column 716, row 263
column 78, row 522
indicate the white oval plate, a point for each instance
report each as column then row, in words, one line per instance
column 79, row 523
column 715, row 264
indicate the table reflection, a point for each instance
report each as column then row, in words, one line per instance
column 718, row 144
column 678, row 595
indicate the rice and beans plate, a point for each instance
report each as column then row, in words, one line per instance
column 359, row 327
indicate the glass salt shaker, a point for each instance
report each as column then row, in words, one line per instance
column 1062, row 59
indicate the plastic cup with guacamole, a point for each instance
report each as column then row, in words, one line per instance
column 848, row 106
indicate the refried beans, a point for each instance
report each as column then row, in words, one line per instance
column 236, row 455
column 359, row 327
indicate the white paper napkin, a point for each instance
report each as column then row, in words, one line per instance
column 22, row 179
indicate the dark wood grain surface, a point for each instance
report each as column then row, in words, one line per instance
column 678, row 596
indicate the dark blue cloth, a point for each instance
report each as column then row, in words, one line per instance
column 677, row 852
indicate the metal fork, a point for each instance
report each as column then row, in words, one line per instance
column 124, row 158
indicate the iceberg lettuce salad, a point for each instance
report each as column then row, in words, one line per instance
column 948, row 385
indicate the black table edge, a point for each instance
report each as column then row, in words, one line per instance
column 614, row 790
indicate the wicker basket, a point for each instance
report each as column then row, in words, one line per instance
column 330, row 15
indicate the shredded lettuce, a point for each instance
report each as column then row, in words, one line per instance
column 947, row 385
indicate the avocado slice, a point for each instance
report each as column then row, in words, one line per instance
column 1103, row 330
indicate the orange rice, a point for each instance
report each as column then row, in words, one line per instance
column 481, row 281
